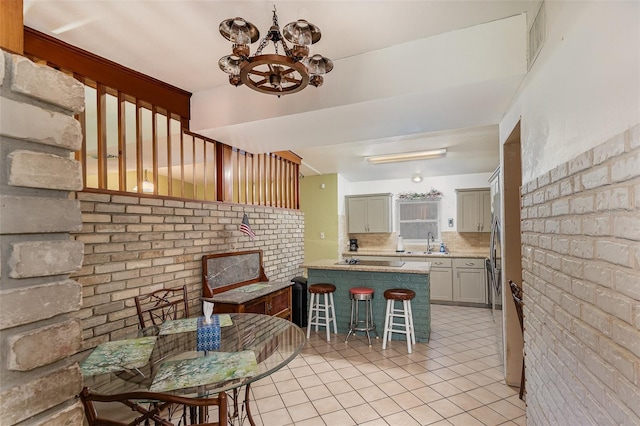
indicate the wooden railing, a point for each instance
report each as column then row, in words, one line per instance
column 136, row 138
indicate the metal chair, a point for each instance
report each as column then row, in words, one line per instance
column 516, row 293
column 160, row 305
column 153, row 407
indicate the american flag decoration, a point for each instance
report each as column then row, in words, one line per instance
column 245, row 228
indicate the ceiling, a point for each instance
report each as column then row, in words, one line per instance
column 408, row 75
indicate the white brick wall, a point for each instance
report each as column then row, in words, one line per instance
column 134, row 245
column 581, row 239
column 38, row 133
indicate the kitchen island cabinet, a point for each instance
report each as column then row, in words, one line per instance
column 454, row 280
column 411, row 275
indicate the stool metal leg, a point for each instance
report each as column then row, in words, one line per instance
column 373, row 323
column 354, row 307
column 367, row 317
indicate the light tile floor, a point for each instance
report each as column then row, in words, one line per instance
column 455, row 379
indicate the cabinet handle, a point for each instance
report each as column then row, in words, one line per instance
column 469, row 263
column 438, row 263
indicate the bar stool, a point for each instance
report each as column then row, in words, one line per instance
column 406, row 327
column 316, row 307
column 357, row 295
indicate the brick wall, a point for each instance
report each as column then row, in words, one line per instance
column 39, row 382
column 134, row 245
column 581, row 260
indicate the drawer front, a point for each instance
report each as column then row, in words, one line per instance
column 258, row 306
column 439, row 263
column 468, row 263
column 280, row 301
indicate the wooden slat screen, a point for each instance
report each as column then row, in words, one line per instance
column 138, row 137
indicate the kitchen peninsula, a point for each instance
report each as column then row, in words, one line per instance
column 380, row 276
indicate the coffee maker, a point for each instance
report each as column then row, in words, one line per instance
column 353, row 244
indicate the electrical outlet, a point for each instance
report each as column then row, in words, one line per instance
column 322, row 235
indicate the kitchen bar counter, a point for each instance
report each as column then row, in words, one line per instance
column 411, row 275
column 332, row 264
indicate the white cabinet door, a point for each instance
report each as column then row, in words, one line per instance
column 485, row 212
column 369, row 213
column 474, row 210
column 378, row 214
column 469, row 285
column 357, row 215
column 440, row 280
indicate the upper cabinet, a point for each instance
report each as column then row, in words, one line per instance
column 474, row 210
column 369, row 213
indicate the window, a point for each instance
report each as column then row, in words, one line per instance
column 415, row 219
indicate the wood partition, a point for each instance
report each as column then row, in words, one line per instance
column 136, row 138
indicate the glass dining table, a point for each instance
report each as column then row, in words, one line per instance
column 196, row 358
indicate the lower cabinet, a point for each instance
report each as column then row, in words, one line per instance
column 452, row 279
column 470, row 281
column 441, row 283
column 440, row 277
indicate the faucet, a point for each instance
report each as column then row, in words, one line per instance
column 429, row 240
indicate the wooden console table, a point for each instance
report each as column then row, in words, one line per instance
column 236, row 282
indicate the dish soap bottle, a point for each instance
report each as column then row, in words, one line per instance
column 442, row 248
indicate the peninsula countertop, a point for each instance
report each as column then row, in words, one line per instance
column 337, row 265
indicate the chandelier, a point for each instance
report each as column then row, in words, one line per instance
column 275, row 74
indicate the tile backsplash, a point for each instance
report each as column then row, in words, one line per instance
column 456, row 242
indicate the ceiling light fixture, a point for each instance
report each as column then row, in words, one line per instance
column 407, row 156
column 416, row 178
column 273, row 74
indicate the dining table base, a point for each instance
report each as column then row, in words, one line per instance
column 240, row 410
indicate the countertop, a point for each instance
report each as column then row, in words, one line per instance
column 420, row 254
column 407, row 268
column 240, row 295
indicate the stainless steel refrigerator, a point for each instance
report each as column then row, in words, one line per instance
column 494, row 264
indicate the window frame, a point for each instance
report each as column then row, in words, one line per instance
column 437, row 201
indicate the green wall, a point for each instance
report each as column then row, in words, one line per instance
column 320, row 207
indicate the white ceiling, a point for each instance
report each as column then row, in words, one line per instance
column 408, row 76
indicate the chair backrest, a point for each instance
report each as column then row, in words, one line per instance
column 160, row 305
column 155, row 407
column 516, row 293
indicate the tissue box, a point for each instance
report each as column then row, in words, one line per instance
column 208, row 334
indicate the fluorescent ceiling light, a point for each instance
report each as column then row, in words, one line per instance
column 407, row 156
